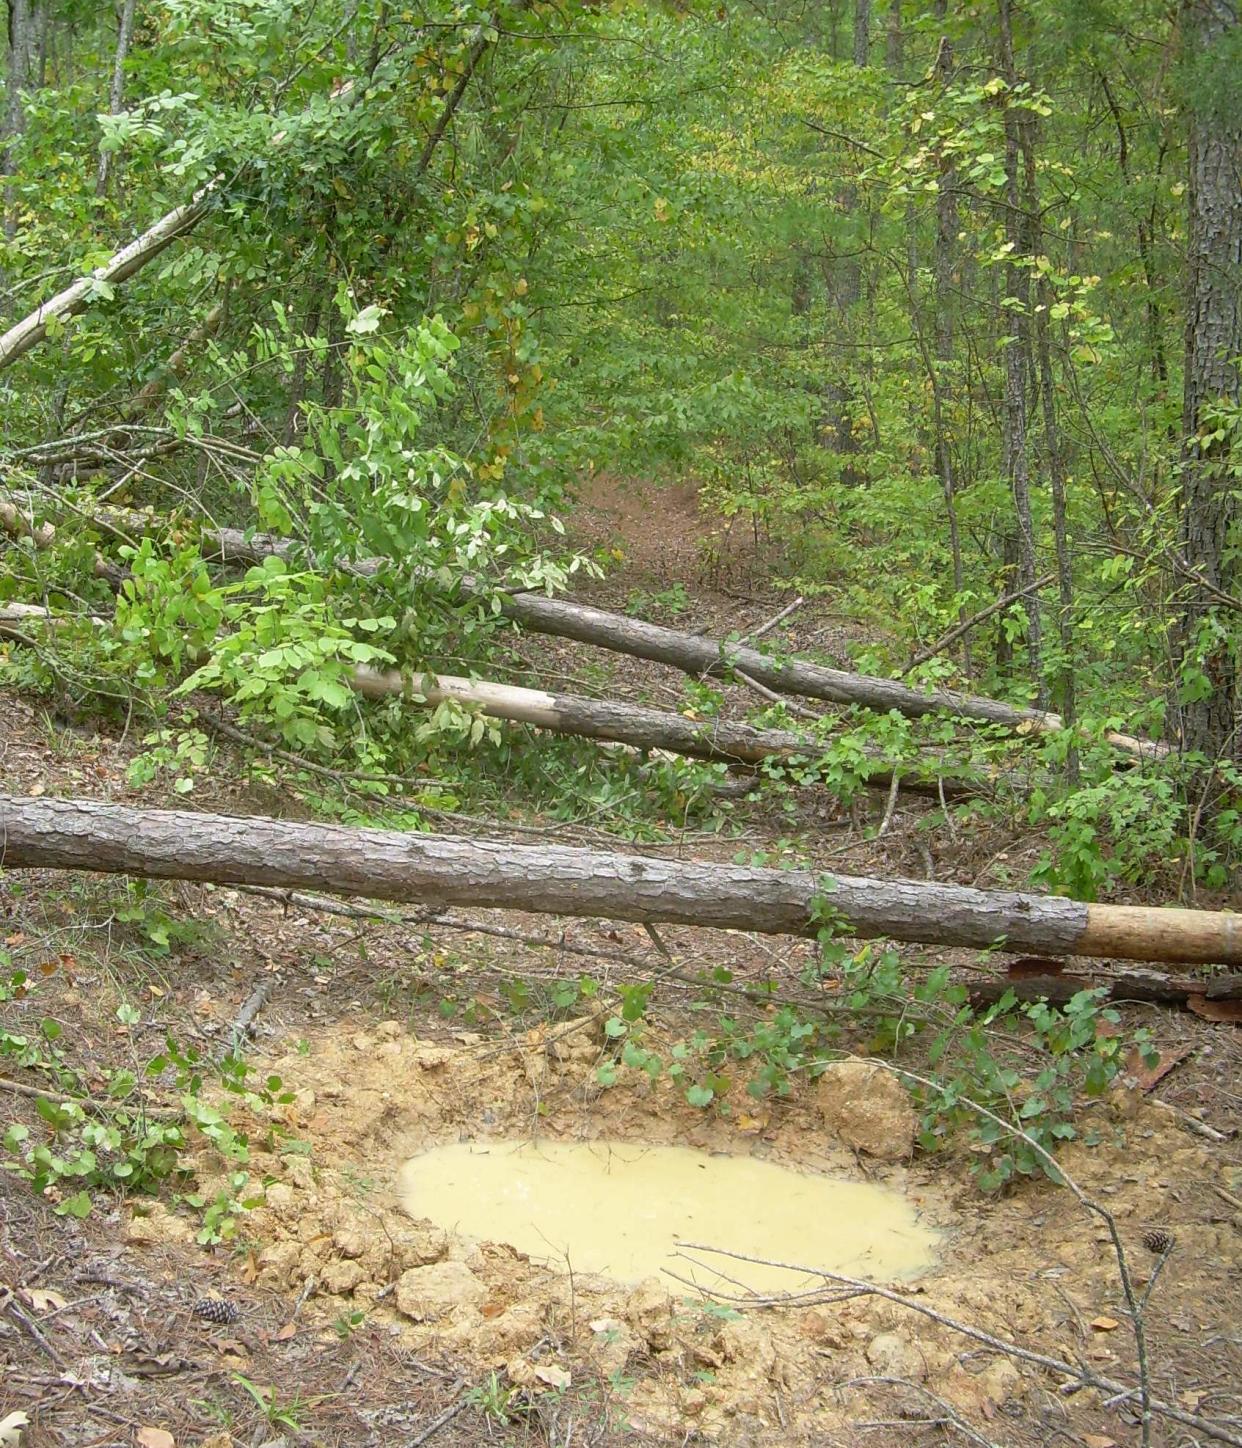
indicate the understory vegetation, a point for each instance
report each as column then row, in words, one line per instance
column 935, row 307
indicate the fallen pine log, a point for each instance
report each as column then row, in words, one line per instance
column 697, row 654
column 1060, row 987
column 600, row 719
column 442, row 870
column 642, row 728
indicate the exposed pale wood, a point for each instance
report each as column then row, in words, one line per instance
column 127, row 262
column 639, row 727
column 446, row 870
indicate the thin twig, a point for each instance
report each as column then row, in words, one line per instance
column 765, row 628
column 91, row 1103
column 1084, row 1377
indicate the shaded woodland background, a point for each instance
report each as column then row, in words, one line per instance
column 940, row 306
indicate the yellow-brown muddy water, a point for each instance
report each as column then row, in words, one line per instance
column 619, row 1209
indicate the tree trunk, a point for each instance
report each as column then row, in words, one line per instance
column 1212, row 381
column 116, row 94
column 31, row 330
column 701, row 656
column 1123, row 985
column 16, row 83
column 1017, row 363
column 552, row 879
column 638, row 727
column 693, row 654
column 862, row 32
column 943, row 270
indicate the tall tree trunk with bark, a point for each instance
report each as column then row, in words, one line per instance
column 17, row 82
column 944, row 266
column 1212, row 451
column 116, row 94
column 1017, row 464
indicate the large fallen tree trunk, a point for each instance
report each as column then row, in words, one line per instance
column 642, row 728
column 699, row 655
column 694, row 654
column 444, row 870
column 602, row 719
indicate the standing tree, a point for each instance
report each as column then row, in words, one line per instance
column 1212, row 409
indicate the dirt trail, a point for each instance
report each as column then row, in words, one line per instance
column 356, row 1324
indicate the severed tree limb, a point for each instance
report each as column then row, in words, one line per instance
column 640, row 727
column 78, row 834
column 700, row 656
column 127, row 262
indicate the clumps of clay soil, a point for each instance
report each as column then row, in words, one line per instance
column 1032, row 1267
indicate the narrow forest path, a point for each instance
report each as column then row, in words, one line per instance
column 390, row 1035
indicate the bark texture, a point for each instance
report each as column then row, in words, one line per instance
column 116, row 92
column 695, row 654
column 1212, row 379
column 444, row 870
column 631, row 724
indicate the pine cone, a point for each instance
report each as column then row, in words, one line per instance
column 1159, row 1241
column 217, row 1310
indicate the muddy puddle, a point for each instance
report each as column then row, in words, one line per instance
column 621, row 1210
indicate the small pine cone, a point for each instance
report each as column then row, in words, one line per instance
column 217, row 1310
column 1158, row 1241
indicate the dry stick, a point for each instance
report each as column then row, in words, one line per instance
column 1057, row 1172
column 92, row 1103
column 240, row 1028
column 756, row 995
column 1083, row 1377
column 766, row 628
column 9, row 1305
column 950, row 1418
column 974, row 620
column 436, row 1424
column 220, row 726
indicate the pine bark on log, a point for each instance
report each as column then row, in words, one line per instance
column 640, row 727
column 700, row 655
column 435, row 870
column 608, row 720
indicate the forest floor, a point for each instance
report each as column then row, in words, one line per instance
column 97, row 1334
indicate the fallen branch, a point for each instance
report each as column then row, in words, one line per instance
column 640, row 727
column 127, row 262
column 700, row 656
column 1080, row 1376
column 1128, row 985
column 704, row 657
column 557, row 880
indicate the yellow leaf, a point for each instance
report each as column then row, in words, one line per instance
column 11, row 1429
column 43, row 1300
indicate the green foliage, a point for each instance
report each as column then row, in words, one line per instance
column 108, row 1141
